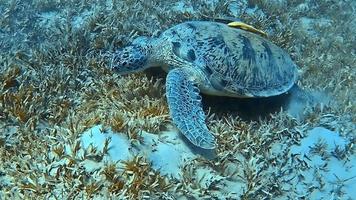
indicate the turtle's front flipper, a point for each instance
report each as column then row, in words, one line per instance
column 185, row 108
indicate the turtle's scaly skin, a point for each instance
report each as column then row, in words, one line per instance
column 212, row 58
column 185, row 107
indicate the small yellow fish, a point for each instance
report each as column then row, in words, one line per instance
column 247, row 27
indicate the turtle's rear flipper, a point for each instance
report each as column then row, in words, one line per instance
column 186, row 110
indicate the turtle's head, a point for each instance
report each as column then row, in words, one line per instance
column 132, row 58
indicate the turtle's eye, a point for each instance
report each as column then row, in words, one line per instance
column 129, row 59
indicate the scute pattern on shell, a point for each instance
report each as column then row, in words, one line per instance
column 235, row 61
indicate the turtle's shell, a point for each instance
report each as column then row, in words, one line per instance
column 235, row 62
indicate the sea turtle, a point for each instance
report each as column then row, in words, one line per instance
column 213, row 58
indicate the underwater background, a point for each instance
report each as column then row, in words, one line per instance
column 70, row 128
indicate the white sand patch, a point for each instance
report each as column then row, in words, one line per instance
column 184, row 7
column 167, row 152
column 327, row 174
column 48, row 19
column 118, row 147
column 316, row 174
column 80, row 20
